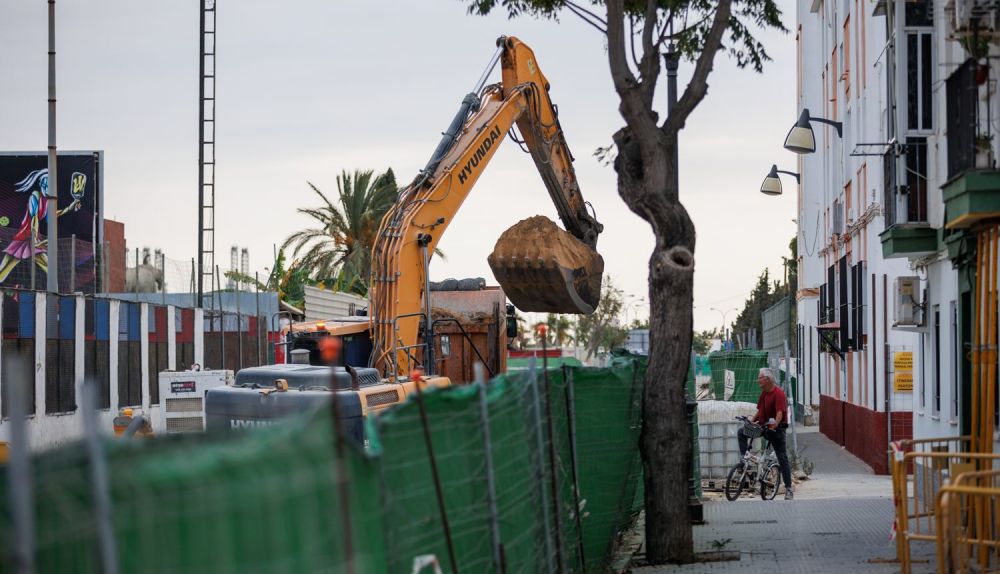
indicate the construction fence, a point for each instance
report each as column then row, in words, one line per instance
column 533, row 472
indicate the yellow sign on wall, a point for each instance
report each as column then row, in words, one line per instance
column 902, row 361
column 902, row 382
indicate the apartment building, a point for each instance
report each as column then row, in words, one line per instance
column 887, row 267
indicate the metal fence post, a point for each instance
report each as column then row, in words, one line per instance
column 72, row 263
column 239, row 324
column 536, row 412
column 256, row 280
column 22, row 498
column 491, row 492
column 217, row 296
column 163, row 279
column 135, row 287
column 791, row 405
column 554, row 474
column 99, row 477
column 571, row 427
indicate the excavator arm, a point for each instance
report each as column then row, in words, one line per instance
column 540, row 267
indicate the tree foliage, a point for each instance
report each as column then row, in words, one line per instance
column 603, row 328
column 701, row 341
column 338, row 249
column 766, row 293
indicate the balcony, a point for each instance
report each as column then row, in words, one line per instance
column 913, row 240
column 907, row 233
column 970, row 197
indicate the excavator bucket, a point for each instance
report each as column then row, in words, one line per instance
column 543, row 268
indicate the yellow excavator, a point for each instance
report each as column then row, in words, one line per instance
column 539, row 266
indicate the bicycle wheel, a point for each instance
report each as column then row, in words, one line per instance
column 734, row 482
column 770, row 482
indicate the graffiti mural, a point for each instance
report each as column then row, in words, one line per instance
column 25, row 206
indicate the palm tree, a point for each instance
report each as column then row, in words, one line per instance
column 559, row 329
column 340, row 246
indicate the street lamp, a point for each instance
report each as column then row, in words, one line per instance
column 801, row 139
column 724, row 313
column 634, row 307
column 772, row 184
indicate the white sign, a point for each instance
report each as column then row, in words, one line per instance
column 730, row 383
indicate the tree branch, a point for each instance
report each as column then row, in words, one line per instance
column 589, row 13
column 588, row 17
column 621, row 75
column 637, row 115
column 698, row 86
column 649, row 69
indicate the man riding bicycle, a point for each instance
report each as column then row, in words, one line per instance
column 772, row 411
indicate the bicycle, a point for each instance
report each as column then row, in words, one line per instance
column 754, row 469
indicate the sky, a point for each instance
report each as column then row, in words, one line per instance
column 309, row 88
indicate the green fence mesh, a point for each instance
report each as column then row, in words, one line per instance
column 267, row 500
column 743, row 368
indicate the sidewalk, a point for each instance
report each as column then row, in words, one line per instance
column 839, row 521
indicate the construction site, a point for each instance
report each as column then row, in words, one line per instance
column 546, row 387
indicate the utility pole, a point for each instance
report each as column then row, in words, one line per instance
column 52, row 207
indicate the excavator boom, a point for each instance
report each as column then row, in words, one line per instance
column 540, row 266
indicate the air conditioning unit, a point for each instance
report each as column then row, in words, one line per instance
column 909, row 309
column 838, row 218
column 182, row 399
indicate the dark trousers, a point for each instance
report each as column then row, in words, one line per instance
column 777, row 440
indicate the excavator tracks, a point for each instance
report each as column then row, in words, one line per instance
column 543, row 268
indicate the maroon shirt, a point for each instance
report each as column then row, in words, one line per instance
column 770, row 404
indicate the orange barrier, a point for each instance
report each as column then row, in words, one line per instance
column 968, row 523
column 920, row 468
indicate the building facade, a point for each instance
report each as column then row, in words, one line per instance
column 883, row 304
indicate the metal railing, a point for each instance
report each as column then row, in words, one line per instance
column 968, row 523
column 920, row 469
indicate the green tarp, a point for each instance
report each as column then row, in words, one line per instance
column 269, row 500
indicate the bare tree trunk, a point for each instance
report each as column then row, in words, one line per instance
column 665, row 442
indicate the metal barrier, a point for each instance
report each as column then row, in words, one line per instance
column 920, row 468
column 968, row 523
column 907, row 511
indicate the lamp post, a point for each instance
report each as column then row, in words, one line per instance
column 801, row 139
column 772, row 183
column 634, row 306
column 724, row 313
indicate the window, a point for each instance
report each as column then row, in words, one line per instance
column 953, row 313
column 831, row 293
column 60, row 354
column 962, row 96
column 858, row 305
column 863, row 44
column 936, row 342
column 833, row 85
column 918, row 44
column 915, row 194
column 842, row 301
column 846, row 54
